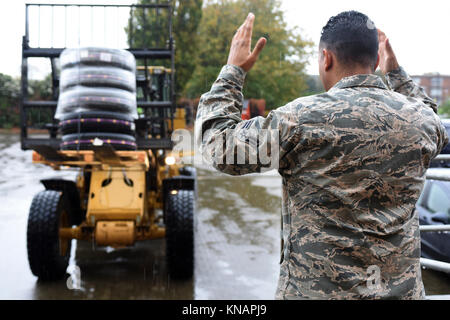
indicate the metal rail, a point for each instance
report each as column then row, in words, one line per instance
column 440, row 174
column 54, row 143
column 154, row 5
column 438, row 297
column 442, row 157
column 155, row 53
column 435, row 228
column 435, row 265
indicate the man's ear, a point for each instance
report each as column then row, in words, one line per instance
column 328, row 59
column 377, row 64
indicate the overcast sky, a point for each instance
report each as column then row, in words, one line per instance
column 419, row 30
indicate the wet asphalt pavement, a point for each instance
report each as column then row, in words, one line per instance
column 237, row 243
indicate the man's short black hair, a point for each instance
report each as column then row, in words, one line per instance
column 353, row 37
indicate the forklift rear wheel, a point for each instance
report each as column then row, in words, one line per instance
column 48, row 254
column 180, row 233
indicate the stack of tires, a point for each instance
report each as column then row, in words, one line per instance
column 97, row 98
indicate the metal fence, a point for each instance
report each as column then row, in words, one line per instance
column 440, row 174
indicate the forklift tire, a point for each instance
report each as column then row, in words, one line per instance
column 190, row 172
column 108, row 77
column 48, row 256
column 96, row 99
column 92, row 56
column 85, row 141
column 92, row 121
column 180, row 233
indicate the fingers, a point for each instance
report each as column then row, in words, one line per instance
column 248, row 27
column 389, row 47
column 384, row 42
column 258, row 48
column 240, row 51
column 240, row 30
column 381, row 37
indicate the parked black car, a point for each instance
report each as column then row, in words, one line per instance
column 434, row 209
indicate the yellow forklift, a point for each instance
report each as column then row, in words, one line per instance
column 125, row 190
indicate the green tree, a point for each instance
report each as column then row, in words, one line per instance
column 9, row 101
column 314, row 84
column 444, row 109
column 186, row 18
column 278, row 76
column 40, row 89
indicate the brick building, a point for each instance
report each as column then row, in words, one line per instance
column 436, row 85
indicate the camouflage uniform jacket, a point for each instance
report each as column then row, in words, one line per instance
column 353, row 163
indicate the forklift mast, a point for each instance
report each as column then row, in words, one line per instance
column 157, row 46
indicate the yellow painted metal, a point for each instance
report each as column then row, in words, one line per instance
column 149, row 232
column 118, row 211
column 89, row 158
column 113, row 197
column 154, row 232
column 155, row 69
column 115, row 233
column 70, row 233
column 179, row 121
column 63, row 242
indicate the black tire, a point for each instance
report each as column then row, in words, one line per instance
column 97, row 122
column 92, row 56
column 79, row 99
column 84, row 141
column 190, row 172
column 48, row 256
column 179, row 220
column 72, row 194
column 109, row 77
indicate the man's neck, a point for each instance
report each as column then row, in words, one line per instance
column 355, row 71
column 348, row 73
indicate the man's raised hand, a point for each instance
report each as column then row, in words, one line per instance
column 388, row 60
column 240, row 52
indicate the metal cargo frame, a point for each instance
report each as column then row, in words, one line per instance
column 165, row 109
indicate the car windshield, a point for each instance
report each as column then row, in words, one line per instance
column 438, row 197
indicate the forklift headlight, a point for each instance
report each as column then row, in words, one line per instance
column 170, row 161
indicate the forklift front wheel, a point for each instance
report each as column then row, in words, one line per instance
column 48, row 254
column 180, row 233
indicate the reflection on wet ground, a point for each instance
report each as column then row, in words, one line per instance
column 237, row 243
column 129, row 273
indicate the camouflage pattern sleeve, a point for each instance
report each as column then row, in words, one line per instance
column 401, row 82
column 238, row 147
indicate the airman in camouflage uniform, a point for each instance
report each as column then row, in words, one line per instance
column 353, row 163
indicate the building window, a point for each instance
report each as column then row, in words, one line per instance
column 436, row 82
column 435, row 92
column 417, row 80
